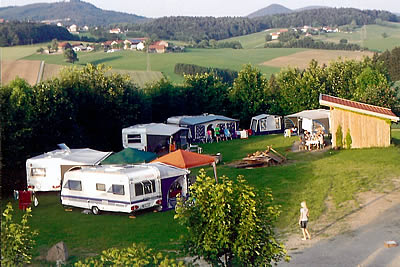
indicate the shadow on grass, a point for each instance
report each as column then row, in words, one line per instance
column 103, row 60
column 396, row 142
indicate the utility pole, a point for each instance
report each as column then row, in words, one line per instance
column 148, row 58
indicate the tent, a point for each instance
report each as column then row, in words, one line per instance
column 185, row 159
column 182, row 159
column 266, row 124
column 310, row 120
column 199, row 125
column 129, row 156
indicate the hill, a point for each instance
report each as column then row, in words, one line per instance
column 270, row 10
column 72, row 12
column 276, row 9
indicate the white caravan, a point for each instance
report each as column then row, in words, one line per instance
column 45, row 172
column 118, row 188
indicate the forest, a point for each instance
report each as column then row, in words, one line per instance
column 86, row 107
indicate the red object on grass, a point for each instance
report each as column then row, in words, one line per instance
column 25, row 199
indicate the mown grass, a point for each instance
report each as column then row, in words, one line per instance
column 133, row 60
column 310, row 176
column 18, row 52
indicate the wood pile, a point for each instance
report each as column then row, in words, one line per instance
column 260, row 158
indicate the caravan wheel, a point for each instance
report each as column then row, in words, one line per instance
column 95, row 210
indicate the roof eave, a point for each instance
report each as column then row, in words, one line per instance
column 367, row 112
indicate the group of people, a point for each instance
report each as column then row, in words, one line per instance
column 310, row 140
column 218, row 134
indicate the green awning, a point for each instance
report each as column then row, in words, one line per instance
column 130, row 156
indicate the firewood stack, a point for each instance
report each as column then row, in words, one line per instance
column 269, row 156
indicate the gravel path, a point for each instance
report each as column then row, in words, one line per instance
column 363, row 244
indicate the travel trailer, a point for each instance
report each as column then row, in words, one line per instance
column 155, row 137
column 266, row 124
column 45, row 172
column 122, row 188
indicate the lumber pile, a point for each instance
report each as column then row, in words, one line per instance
column 267, row 157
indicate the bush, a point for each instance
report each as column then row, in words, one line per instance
column 348, row 139
column 339, row 137
column 17, row 240
column 135, row 255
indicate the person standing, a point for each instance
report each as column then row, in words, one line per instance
column 303, row 220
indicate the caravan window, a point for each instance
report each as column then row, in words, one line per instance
column 75, row 185
column 139, row 189
column 118, row 189
column 278, row 123
column 38, row 172
column 134, row 138
column 145, row 187
column 100, row 187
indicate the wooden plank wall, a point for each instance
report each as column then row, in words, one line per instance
column 365, row 131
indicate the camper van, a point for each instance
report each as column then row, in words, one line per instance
column 45, row 172
column 119, row 188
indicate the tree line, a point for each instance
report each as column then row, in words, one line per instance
column 88, row 107
column 23, row 33
column 226, row 75
column 309, row 42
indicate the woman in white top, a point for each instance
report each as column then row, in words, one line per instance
column 303, row 220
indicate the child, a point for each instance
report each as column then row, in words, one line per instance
column 303, row 220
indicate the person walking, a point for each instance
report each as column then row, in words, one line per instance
column 303, row 220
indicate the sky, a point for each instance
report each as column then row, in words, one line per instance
column 216, row 8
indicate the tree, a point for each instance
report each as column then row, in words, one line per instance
column 49, row 48
column 17, row 239
column 70, row 55
column 343, row 41
column 247, row 94
column 230, row 220
column 54, row 45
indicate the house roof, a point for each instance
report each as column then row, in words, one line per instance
column 63, row 44
column 193, row 120
column 157, row 47
column 315, row 114
column 381, row 112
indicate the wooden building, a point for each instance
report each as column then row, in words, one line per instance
column 369, row 125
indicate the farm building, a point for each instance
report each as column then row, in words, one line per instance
column 155, row 137
column 369, row 125
column 199, row 125
column 266, row 124
column 309, row 120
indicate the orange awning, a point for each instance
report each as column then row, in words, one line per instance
column 185, row 159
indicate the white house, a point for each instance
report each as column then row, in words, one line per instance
column 73, row 28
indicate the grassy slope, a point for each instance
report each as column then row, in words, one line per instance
column 18, row 52
column 373, row 38
column 222, row 58
column 308, row 176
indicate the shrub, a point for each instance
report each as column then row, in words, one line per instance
column 339, row 137
column 348, row 139
column 17, row 239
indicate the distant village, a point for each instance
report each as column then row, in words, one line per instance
column 307, row 30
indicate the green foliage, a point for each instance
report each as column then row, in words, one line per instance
column 339, row 137
column 343, row 41
column 308, row 42
column 230, row 219
column 135, row 255
column 17, row 239
column 22, row 33
column 70, row 55
column 248, row 94
column 391, row 60
column 54, row 45
column 226, row 75
column 348, row 139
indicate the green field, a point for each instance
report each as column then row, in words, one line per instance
column 133, row 60
column 369, row 36
column 310, row 176
column 18, row 52
column 254, row 40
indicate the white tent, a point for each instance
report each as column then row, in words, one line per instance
column 266, row 124
column 45, row 172
column 310, row 120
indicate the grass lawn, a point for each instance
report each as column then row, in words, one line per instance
column 133, row 60
column 310, row 176
column 19, row 52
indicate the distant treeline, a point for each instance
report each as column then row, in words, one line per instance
column 196, row 29
column 23, row 33
column 227, row 76
column 308, row 42
column 214, row 44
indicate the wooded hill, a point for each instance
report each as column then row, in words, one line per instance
column 72, row 12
